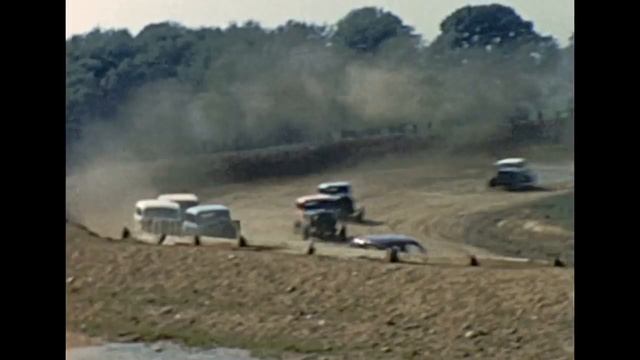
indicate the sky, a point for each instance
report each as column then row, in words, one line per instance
column 550, row 17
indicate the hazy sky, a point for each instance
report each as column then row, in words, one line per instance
column 551, row 17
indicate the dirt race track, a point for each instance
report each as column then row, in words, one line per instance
column 436, row 199
column 351, row 308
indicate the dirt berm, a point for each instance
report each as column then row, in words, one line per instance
column 275, row 303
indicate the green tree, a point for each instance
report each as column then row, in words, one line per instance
column 365, row 29
column 486, row 25
column 299, row 80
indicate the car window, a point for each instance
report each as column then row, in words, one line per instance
column 213, row 216
column 312, row 205
column 335, row 190
column 208, row 215
column 161, row 213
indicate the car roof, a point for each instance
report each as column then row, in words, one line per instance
column 334, row 184
column 178, row 197
column 316, row 197
column 389, row 237
column 392, row 240
column 510, row 161
column 155, row 203
column 204, row 208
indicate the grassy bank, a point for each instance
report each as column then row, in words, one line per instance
column 541, row 229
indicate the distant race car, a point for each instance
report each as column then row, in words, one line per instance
column 158, row 217
column 342, row 190
column 401, row 243
column 210, row 220
column 513, row 174
column 184, row 200
column 323, row 225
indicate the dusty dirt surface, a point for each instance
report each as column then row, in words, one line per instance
column 76, row 340
column 274, row 303
column 336, row 304
column 434, row 198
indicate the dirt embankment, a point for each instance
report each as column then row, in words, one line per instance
column 275, row 162
column 336, row 308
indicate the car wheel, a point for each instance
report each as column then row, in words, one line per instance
column 311, row 249
column 242, row 241
column 196, row 240
column 392, row 255
column 493, row 182
column 126, row 233
column 343, row 234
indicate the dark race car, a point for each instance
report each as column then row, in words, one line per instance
column 321, row 224
column 401, row 243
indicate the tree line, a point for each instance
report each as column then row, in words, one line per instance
column 245, row 86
